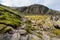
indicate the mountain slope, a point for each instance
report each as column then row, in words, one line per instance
column 14, row 26
column 37, row 9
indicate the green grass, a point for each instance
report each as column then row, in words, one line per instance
column 40, row 19
column 56, row 31
column 8, row 18
column 37, row 17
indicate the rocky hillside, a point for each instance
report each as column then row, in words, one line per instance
column 14, row 26
column 37, row 9
column 9, row 18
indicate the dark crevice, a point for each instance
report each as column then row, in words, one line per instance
column 57, row 27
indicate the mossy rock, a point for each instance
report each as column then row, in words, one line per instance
column 29, row 28
column 4, row 28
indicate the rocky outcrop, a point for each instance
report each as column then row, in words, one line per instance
column 37, row 9
column 33, row 9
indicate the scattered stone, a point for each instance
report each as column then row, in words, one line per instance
column 22, row 31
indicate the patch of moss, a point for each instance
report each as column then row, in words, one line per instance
column 29, row 28
column 56, row 31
